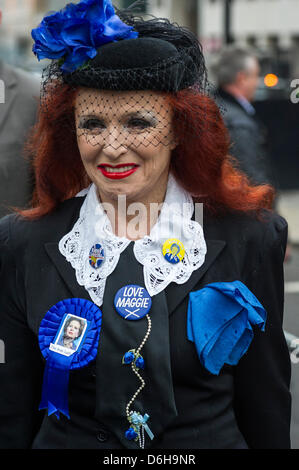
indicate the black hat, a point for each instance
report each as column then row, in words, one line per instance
column 164, row 57
column 92, row 46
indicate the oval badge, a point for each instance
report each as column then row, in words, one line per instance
column 96, row 256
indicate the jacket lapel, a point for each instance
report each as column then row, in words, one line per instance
column 66, row 271
column 175, row 293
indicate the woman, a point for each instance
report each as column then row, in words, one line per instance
column 73, row 329
column 178, row 351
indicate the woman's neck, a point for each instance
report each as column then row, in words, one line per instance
column 67, row 340
column 134, row 219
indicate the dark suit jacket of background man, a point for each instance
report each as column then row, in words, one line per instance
column 248, row 140
column 17, row 115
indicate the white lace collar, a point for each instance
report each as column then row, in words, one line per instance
column 93, row 227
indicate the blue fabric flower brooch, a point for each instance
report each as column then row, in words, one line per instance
column 220, row 320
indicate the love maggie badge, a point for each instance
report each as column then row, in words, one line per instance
column 132, row 302
column 68, row 339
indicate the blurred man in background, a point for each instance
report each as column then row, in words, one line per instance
column 237, row 75
column 18, row 109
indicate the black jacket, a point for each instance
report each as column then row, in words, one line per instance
column 245, row 406
column 248, row 137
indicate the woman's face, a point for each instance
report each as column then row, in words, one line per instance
column 174, row 250
column 73, row 329
column 125, row 140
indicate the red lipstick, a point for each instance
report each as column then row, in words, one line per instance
column 119, row 174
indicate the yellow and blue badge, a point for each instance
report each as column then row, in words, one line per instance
column 173, row 250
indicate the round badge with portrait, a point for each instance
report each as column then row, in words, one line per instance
column 173, row 250
column 132, row 302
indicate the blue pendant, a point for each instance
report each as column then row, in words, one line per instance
column 132, row 302
column 96, row 256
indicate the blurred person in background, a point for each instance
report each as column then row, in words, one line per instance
column 18, row 109
column 237, row 75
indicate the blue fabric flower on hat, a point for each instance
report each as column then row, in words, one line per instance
column 76, row 32
column 220, row 320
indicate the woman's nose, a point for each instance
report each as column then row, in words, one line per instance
column 114, row 143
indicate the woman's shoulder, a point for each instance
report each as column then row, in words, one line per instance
column 264, row 228
column 16, row 230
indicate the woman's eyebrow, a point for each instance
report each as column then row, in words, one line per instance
column 90, row 115
column 141, row 113
column 147, row 114
column 103, row 113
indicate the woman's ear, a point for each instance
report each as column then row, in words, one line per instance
column 174, row 143
column 173, row 139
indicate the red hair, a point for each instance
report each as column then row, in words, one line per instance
column 201, row 162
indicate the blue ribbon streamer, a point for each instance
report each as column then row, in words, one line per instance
column 55, row 386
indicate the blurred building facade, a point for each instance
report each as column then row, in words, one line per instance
column 19, row 17
column 270, row 26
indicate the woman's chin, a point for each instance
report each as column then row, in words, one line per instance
column 119, row 191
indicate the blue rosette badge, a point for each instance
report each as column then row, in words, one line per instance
column 68, row 339
column 220, row 320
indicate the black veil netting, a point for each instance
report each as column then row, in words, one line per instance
column 122, row 94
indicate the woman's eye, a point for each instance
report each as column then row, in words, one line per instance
column 137, row 123
column 92, row 124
